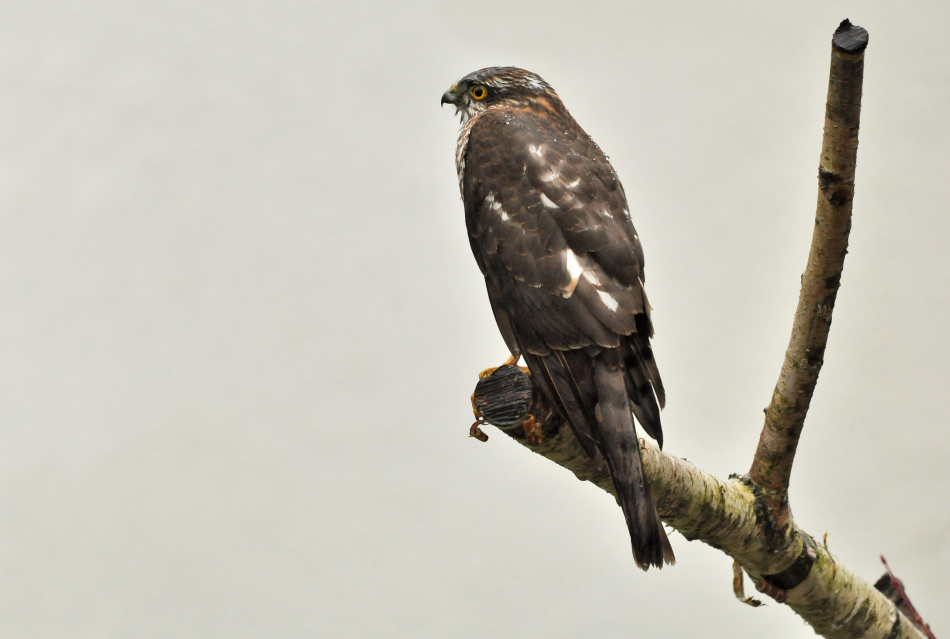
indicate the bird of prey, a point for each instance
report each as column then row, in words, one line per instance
column 549, row 225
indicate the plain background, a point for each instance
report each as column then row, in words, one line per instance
column 240, row 321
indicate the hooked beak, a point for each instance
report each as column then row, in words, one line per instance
column 449, row 97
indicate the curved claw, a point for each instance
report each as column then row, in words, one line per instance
column 476, row 432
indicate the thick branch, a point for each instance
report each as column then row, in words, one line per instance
column 748, row 517
column 785, row 416
column 732, row 516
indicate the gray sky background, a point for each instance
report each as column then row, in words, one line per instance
column 240, row 321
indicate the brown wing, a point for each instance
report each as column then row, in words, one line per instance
column 550, row 229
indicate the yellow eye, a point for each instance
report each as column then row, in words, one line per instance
column 478, row 92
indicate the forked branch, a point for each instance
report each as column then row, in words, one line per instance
column 748, row 517
column 785, row 416
column 730, row 515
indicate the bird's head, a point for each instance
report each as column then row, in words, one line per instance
column 494, row 86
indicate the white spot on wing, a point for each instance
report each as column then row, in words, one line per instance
column 496, row 206
column 591, row 277
column 550, row 176
column 608, row 300
column 546, row 201
column 573, row 265
column 574, row 269
column 573, row 183
column 537, row 150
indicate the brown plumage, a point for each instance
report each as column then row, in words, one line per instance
column 550, row 230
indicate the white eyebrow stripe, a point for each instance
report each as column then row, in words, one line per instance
column 608, row 300
column 534, row 84
column 548, row 202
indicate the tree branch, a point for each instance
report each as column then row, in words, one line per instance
column 732, row 516
column 748, row 518
column 785, row 416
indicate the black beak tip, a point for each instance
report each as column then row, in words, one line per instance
column 447, row 98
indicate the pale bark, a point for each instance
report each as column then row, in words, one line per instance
column 748, row 518
column 785, row 416
column 734, row 517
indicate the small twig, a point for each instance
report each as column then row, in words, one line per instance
column 898, row 585
column 785, row 416
column 477, row 432
column 738, row 587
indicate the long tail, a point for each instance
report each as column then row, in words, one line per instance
column 590, row 391
column 620, row 447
